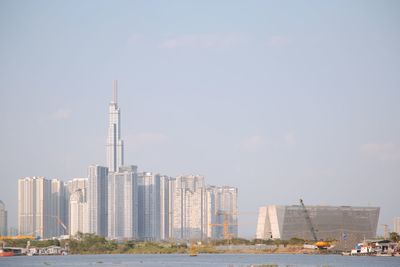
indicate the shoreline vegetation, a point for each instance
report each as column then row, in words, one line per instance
column 93, row 244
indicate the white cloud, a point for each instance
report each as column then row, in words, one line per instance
column 382, row 151
column 61, row 114
column 202, row 41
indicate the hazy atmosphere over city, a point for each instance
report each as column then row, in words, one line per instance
column 281, row 99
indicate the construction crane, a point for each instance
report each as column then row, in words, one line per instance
column 62, row 224
column 30, row 236
column 319, row 244
column 308, row 220
column 225, row 224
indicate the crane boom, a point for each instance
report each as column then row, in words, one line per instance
column 225, row 224
column 62, row 224
column 308, row 219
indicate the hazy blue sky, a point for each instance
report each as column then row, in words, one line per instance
column 283, row 99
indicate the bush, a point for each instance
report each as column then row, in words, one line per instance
column 91, row 243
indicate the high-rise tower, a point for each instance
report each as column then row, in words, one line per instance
column 97, row 199
column 189, row 217
column 115, row 145
column 40, row 206
column 149, row 206
column 3, row 219
column 122, row 203
column 78, row 205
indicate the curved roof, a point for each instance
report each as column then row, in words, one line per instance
column 2, row 205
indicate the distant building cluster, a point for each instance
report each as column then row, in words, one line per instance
column 345, row 224
column 121, row 203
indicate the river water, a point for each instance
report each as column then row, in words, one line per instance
column 230, row 260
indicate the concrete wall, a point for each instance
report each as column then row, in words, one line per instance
column 348, row 225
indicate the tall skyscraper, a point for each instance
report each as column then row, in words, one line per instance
column 171, row 196
column 78, row 213
column 58, row 222
column 39, row 208
column 396, row 225
column 78, row 207
column 97, row 199
column 122, row 203
column 225, row 211
column 77, row 184
column 190, row 217
column 3, row 219
column 211, row 214
column 115, row 145
column 149, row 206
column 164, row 207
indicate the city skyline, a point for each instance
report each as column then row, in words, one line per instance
column 114, row 146
column 119, row 203
column 261, row 96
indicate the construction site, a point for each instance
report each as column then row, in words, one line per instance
column 345, row 225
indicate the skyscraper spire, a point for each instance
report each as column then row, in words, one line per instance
column 115, row 145
column 115, row 91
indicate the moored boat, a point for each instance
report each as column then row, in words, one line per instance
column 193, row 251
column 6, row 252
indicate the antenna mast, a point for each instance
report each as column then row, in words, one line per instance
column 115, row 93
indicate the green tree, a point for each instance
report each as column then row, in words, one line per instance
column 395, row 237
column 296, row 241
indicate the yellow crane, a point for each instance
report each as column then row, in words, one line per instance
column 29, row 236
column 319, row 244
column 16, row 237
column 225, row 224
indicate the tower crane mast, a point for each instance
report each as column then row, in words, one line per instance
column 308, row 219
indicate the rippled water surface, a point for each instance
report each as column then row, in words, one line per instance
column 266, row 260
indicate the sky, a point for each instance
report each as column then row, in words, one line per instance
column 282, row 99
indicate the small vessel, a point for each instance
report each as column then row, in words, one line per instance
column 193, row 251
column 5, row 252
column 322, row 245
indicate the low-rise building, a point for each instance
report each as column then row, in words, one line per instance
column 345, row 224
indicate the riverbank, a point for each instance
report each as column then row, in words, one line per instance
column 93, row 244
column 83, row 244
column 154, row 248
column 209, row 260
